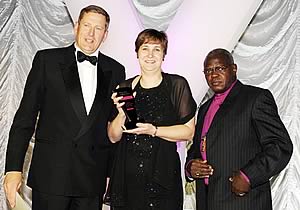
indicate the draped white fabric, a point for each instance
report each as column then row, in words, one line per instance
column 267, row 56
column 156, row 13
column 25, row 27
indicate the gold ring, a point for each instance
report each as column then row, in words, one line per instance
column 197, row 174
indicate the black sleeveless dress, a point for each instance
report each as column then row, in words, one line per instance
column 142, row 189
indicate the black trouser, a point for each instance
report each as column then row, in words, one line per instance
column 43, row 201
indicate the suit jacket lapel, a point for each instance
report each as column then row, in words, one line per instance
column 202, row 114
column 200, row 120
column 72, row 83
column 225, row 107
column 102, row 93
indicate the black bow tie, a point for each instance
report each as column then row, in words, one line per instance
column 82, row 57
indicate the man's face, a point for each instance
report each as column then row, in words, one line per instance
column 90, row 32
column 219, row 75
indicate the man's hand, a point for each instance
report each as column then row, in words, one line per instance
column 239, row 185
column 199, row 169
column 12, row 183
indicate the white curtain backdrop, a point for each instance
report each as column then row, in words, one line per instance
column 25, row 27
column 267, row 55
column 158, row 13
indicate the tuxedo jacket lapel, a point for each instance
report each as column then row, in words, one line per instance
column 103, row 81
column 72, row 83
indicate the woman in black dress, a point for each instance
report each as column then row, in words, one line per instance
column 146, row 172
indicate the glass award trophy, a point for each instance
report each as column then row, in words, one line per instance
column 128, row 107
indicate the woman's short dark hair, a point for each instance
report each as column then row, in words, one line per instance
column 95, row 9
column 152, row 35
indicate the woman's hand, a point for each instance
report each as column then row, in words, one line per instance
column 174, row 133
column 115, row 128
column 143, row 128
column 117, row 103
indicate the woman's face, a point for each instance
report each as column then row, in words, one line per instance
column 151, row 56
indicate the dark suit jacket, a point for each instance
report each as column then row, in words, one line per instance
column 71, row 150
column 246, row 134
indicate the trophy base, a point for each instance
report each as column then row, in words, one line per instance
column 132, row 125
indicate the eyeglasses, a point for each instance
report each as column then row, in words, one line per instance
column 217, row 69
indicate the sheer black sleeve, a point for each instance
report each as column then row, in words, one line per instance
column 182, row 99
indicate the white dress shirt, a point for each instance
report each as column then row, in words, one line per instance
column 88, row 80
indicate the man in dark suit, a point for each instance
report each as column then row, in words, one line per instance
column 71, row 98
column 239, row 144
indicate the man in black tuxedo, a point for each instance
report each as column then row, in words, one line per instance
column 239, row 144
column 71, row 98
